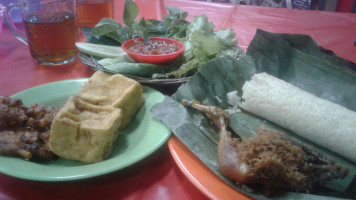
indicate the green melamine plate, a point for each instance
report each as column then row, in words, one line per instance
column 139, row 139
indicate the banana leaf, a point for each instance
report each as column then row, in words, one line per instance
column 295, row 58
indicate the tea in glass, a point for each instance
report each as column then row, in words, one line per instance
column 52, row 36
column 51, row 29
column 90, row 12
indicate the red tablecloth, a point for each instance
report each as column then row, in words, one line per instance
column 157, row 177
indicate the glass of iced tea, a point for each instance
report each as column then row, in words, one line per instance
column 51, row 29
column 90, row 12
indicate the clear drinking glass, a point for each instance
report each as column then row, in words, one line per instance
column 90, row 12
column 51, row 29
column 2, row 9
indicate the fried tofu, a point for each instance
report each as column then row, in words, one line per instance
column 86, row 128
column 117, row 91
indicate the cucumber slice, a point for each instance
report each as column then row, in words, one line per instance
column 99, row 50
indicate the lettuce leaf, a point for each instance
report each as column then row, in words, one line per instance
column 202, row 44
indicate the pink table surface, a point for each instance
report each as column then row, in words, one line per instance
column 157, row 176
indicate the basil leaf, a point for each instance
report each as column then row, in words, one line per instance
column 119, row 35
column 130, row 12
column 181, row 14
column 99, row 39
column 106, row 25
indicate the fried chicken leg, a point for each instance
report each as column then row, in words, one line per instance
column 270, row 161
column 230, row 165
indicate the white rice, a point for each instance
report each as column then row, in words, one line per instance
column 235, row 101
column 320, row 121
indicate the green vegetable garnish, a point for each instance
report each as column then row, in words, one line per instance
column 202, row 43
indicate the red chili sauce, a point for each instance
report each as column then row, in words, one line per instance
column 155, row 47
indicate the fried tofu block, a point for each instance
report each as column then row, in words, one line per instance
column 118, row 91
column 84, row 132
column 87, row 126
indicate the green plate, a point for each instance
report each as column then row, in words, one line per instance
column 141, row 138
